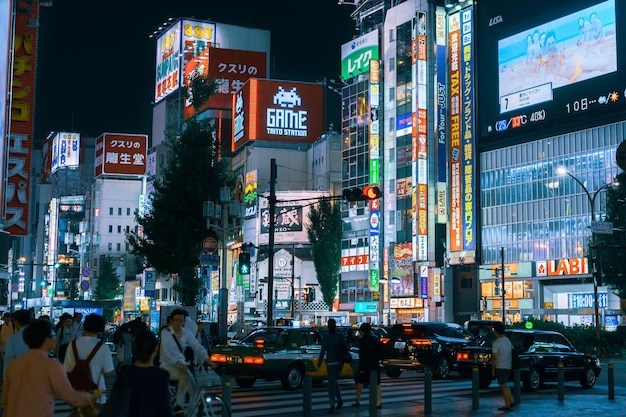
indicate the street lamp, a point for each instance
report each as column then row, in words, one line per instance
column 223, row 212
column 592, row 199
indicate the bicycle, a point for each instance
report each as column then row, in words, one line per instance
column 207, row 400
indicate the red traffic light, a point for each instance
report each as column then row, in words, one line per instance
column 372, row 192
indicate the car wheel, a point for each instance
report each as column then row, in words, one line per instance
column 294, row 377
column 484, row 380
column 245, row 382
column 588, row 379
column 533, row 381
column 442, row 371
column 393, row 372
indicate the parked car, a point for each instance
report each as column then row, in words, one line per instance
column 277, row 353
column 414, row 346
column 479, row 328
column 540, row 353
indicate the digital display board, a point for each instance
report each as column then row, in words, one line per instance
column 544, row 68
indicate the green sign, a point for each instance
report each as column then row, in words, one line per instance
column 374, row 279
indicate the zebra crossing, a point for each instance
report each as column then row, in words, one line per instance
column 270, row 399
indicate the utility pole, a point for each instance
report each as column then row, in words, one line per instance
column 270, row 259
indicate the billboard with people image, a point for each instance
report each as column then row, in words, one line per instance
column 549, row 63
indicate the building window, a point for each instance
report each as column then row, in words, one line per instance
column 391, row 35
column 128, row 211
column 110, row 228
column 119, row 211
column 127, row 247
column 392, row 64
column 119, row 229
column 111, row 211
column 127, row 229
column 164, row 296
column 119, row 247
column 110, row 247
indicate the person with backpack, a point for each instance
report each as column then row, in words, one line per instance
column 88, row 360
column 65, row 334
column 33, row 380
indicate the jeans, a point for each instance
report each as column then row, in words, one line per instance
column 334, row 370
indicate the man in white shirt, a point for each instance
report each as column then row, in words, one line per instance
column 502, row 363
column 78, row 324
column 174, row 340
column 101, row 364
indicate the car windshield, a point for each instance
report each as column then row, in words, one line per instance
column 270, row 337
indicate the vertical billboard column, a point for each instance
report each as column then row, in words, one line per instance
column 441, row 114
column 454, row 33
column 374, row 153
column 21, row 124
column 468, row 139
column 420, row 132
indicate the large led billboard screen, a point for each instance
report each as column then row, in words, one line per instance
column 277, row 110
column 546, row 68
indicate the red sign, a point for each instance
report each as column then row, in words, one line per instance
column 121, row 154
column 277, row 110
column 230, row 68
column 209, row 244
column 20, row 136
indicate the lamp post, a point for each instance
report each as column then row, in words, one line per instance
column 592, row 199
column 223, row 211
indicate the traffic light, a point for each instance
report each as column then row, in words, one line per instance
column 244, row 263
column 370, row 192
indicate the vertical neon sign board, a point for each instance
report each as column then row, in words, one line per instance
column 467, row 132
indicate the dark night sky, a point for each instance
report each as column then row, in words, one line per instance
column 96, row 62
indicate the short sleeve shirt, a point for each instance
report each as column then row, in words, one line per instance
column 503, row 348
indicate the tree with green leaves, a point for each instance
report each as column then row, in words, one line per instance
column 108, row 285
column 611, row 248
column 324, row 234
column 174, row 226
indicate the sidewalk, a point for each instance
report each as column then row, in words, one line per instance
column 544, row 404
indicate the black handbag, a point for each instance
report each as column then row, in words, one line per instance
column 343, row 353
column 118, row 403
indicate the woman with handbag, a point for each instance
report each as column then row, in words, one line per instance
column 332, row 346
column 141, row 389
column 369, row 360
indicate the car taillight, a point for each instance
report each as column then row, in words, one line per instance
column 384, row 340
column 420, row 342
column 218, row 357
column 462, row 356
column 253, row 360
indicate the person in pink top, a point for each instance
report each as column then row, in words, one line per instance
column 33, row 380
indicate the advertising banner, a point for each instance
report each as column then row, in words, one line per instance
column 357, row 54
column 468, row 156
column 20, row 139
column 183, row 41
column 250, row 193
column 454, row 70
column 402, row 283
column 230, row 68
column 120, row 154
column 441, row 112
column 65, row 151
column 277, row 110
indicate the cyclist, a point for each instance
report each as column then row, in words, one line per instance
column 175, row 340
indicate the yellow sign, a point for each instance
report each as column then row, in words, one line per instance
column 497, row 304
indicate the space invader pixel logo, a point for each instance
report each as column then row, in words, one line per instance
column 287, row 99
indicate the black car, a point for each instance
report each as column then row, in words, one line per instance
column 539, row 352
column 419, row 345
